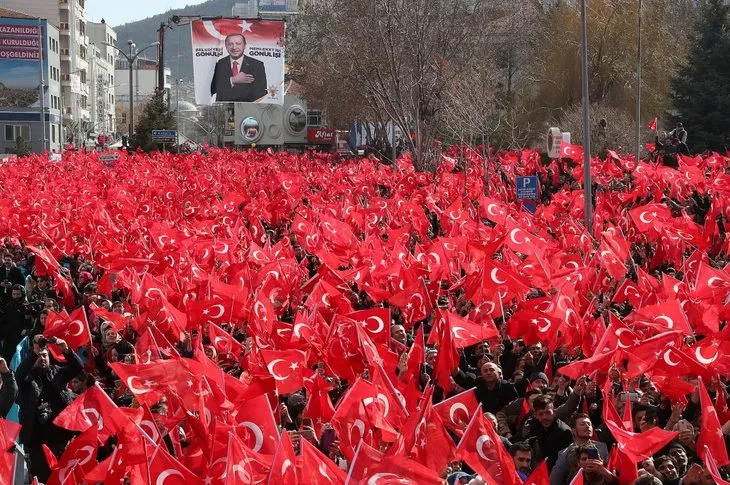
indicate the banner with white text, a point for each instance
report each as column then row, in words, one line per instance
column 238, row 61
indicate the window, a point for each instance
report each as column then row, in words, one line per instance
column 12, row 132
column 314, row 117
column 53, row 133
column 82, row 75
column 296, row 120
column 82, row 52
column 84, row 102
column 250, row 129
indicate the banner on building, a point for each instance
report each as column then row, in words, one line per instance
column 20, row 52
column 272, row 5
column 238, row 61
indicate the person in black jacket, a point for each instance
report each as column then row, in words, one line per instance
column 43, row 394
column 13, row 322
column 491, row 391
column 9, row 275
column 548, row 434
column 9, row 389
column 238, row 77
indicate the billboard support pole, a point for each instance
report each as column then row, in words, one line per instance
column 42, row 87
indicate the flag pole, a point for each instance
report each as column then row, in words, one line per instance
column 638, row 84
column 586, row 123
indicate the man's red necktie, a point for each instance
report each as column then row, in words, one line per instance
column 235, row 68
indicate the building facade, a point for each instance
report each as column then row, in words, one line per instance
column 144, row 84
column 102, row 98
column 30, row 90
column 69, row 16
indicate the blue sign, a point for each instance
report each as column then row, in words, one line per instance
column 272, row 5
column 527, row 188
column 529, row 206
column 164, row 133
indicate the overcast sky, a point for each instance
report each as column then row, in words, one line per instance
column 121, row 12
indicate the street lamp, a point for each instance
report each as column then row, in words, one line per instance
column 130, row 60
column 178, row 82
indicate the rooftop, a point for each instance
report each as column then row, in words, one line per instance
column 12, row 14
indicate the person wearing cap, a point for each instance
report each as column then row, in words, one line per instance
column 458, row 478
column 238, row 77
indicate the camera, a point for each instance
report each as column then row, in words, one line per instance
column 43, row 341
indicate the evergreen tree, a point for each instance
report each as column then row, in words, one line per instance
column 156, row 116
column 701, row 89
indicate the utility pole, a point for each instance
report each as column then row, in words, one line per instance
column 42, row 88
column 587, row 189
column 131, row 58
column 638, row 85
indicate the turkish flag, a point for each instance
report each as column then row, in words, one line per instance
column 9, row 432
column 164, row 469
column 92, row 409
column 45, row 263
column 257, row 426
column 74, row 328
column 574, row 152
column 637, row 446
column 652, row 124
column 288, row 368
column 81, row 453
column 425, row 438
column 456, row 411
column 283, row 469
column 242, row 465
column 117, row 321
column 539, row 475
column 664, row 316
column 149, row 382
column 397, row 470
column 319, row 406
column 713, row 468
column 223, row 342
column 711, row 436
column 625, row 468
column 318, row 469
column 482, row 449
column 376, row 322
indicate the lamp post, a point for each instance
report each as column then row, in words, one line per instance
column 587, row 189
column 130, row 60
column 638, row 84
column 178, row 82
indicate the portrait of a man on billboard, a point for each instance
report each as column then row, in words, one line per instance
column 238, row 61
column 238, row 77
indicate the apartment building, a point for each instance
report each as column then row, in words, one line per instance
column 102, row 99
column 30, row 90
column 69, row 16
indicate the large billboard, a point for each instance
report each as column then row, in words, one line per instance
column 20, row 53
column 238, row 61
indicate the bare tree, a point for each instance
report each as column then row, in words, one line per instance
column 391, row 59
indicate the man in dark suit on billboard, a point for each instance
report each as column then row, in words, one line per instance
column 237, row 77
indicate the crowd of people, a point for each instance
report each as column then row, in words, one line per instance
column 241, row 318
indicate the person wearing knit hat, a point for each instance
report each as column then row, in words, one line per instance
column 539, row 380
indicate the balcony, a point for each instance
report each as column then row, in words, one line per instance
column 66, row 54
column 64, row 4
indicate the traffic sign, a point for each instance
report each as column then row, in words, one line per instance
column 164, row 136
column 527, row 188
column 108, row 157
